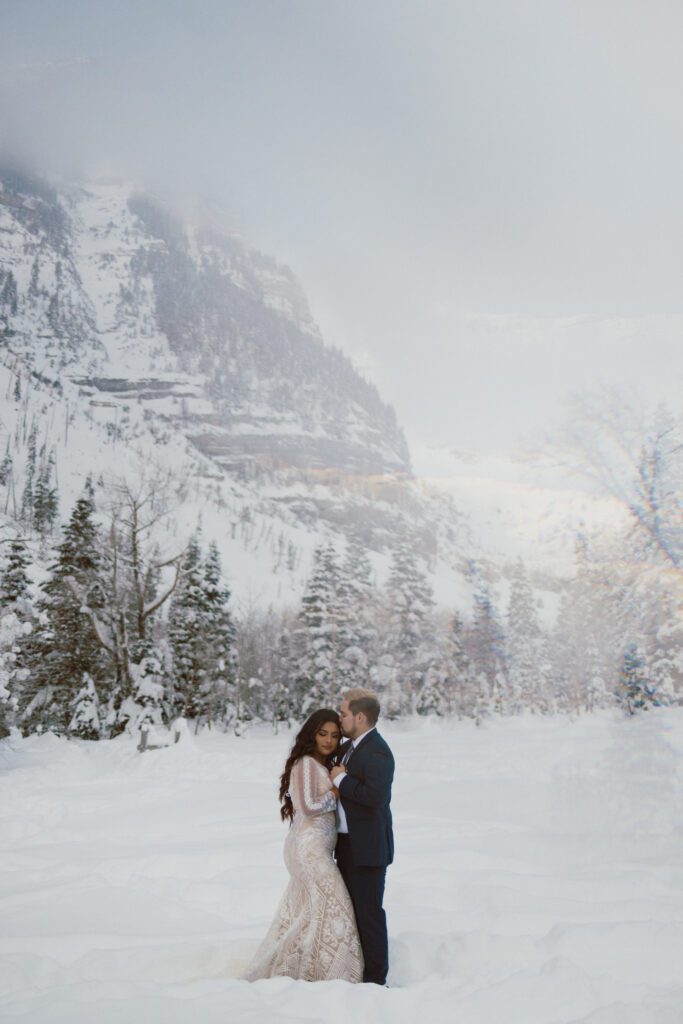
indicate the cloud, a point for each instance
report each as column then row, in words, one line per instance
column 490, row 158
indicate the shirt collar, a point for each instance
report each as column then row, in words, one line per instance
column 362, row 736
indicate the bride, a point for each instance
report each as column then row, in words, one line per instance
column 313, row 936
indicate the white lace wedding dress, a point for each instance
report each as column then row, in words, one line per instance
column 313, row 936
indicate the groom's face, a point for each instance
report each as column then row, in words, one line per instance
column 350, row 723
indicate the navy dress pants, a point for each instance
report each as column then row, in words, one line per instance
column 366, row 889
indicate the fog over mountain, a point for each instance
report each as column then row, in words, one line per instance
column 481, row 200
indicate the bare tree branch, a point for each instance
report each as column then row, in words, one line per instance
column 635, row 458
column 149, row 609
column 98, row 626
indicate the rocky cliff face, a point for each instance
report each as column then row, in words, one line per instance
column 133, row 345
column 109, row 289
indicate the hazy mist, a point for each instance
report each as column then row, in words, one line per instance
column 482, row 200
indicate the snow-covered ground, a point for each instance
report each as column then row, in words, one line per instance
column 538, row 878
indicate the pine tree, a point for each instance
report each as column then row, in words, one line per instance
column 357, row 634
column 433, row 696
column 6, row 467
column 14, row 581
column 282, row 706
column 201, row 636
column 144, row 705
column 462, row 694
column 487, row 650
column 45, row 503
column 410, row 644
column 266, row 651
column 85, row 719
column 27, row 497
column 634, row 693
column 63, row 648
column 317, row 639
column 185, row 626
column 664, row 661
column 524, row 645
column 586, row 636
column 660, row 602
column 16, row 622
column 9, row 297
column 220, row 652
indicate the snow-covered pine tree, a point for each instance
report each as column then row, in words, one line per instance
column 633, row 691
column 27, row 496
column 283, row 689
column 660, row 601
column 45, row 502
column 487, row 650
column 145, row 703
column 316, row 641
column 410, row 647
column 186, row 639
column 219, row 634
column 9, row 297
column 16, row 615
column 664, row 660
column 264, row 642
column 462, row 692
column 14, row 581
column 357, row 636
column 63, row 648
column 85, row 719
column 586, row 636
column 434, row 695
column 6, row 467
column 524, row 641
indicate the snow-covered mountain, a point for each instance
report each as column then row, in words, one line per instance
column 517, row 508
column 136, row 344
column 109, row 289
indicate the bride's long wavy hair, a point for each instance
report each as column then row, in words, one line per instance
column 304, row 743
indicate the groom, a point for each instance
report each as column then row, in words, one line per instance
column 365, row 843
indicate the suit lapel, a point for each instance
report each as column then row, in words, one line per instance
column 344, row 750
column 368, row 736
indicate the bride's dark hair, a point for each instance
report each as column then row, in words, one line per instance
column 304, row 743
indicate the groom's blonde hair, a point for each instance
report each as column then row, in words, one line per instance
column 364, row 701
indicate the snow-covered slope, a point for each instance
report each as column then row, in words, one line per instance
column 519, row 507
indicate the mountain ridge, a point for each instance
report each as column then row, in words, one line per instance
column 132, row 345
column 137, row 342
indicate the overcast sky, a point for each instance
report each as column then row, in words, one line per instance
column 482, row 199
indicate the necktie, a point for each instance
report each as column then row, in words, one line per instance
column 347, row 754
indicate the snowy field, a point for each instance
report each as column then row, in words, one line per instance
column 538, row 879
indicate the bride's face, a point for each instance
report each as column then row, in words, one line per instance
column 327, row 739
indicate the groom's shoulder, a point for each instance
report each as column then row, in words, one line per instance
column 381, row 744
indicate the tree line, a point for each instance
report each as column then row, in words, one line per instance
column 120, row 635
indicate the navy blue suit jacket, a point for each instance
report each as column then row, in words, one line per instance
column 365, row 795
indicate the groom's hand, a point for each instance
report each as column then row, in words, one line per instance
column 337, row 770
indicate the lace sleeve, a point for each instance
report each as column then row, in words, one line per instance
column 310, row 795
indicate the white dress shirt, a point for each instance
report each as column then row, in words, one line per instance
column 342, row 824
